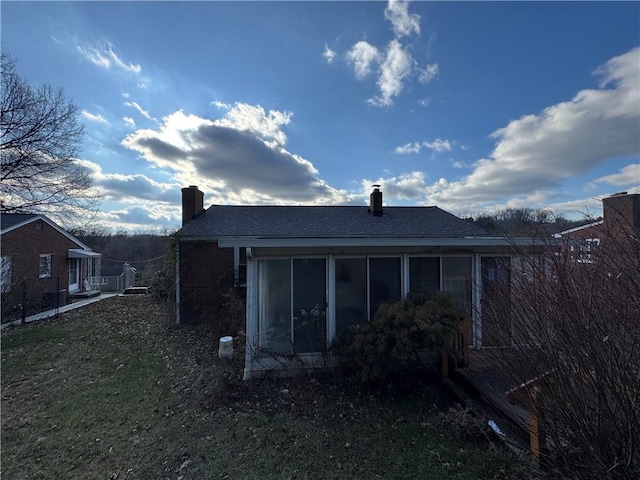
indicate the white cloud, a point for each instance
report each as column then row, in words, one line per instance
column 221, row 105
column 94, row 117
column 536, row 152
column 328, row 54
column 396, row 67
column 424, row 102
column 408, row 148
column 254, row 119
column 129, row 121
column 627, row 176
column 404, row 23
column 408, row 186
column 429, row 73
column 105, row 57
column 438, row 145
column 363, row 56
column 142, row 111
column 240, row 158
column 130, row 188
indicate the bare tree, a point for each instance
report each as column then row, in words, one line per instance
column 575, row 326
column 40, row 136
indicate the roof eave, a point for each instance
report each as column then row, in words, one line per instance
column 380, row 242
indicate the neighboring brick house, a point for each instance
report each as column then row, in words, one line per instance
column 42, row 264
column 618, row 229
column 312, row 272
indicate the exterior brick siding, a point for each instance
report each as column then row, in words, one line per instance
column 25, row 245
column 205, row 271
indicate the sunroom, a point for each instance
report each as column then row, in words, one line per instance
column 300, row 299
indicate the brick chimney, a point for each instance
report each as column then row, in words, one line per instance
column 622, row 210
column 192, row 203
column 375, row 201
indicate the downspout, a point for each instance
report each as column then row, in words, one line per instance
column 178, row 305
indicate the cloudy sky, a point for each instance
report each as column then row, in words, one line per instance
column 468, row 106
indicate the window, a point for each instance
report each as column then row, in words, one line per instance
column 45, row 266
column 456, row 281
column 351, row 292
column 5, row 283
column 586, row 249
column 240, row 266
column 424, row 274
column 384, row 282
column 292, row 304
column 274, row 303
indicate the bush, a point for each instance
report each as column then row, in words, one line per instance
column 399, row 336
column 578, row 341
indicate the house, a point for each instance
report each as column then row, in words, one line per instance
column 312, row 272
column 42, row 264
column 117, row 277
column 619, row 227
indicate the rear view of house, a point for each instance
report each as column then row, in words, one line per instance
column 42, row 265
column 313, row 272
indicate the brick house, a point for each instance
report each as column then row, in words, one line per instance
column 312, row 272
column 42, row 264
column 619, row 228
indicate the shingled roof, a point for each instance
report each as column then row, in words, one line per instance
column 221, row 221
column 8, row 220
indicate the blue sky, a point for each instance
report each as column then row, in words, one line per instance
column 469, row 106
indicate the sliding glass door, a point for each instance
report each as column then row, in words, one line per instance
column 292, row 299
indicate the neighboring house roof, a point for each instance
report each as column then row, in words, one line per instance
column 577, row 229
column 332, row 225
column 115, row 271
column 13, row 221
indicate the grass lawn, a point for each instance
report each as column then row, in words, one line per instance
column 115, row 390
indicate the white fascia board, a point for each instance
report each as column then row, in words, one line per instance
column 382, row 242
column 577, row 229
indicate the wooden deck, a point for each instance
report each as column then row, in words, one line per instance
column 485, row 386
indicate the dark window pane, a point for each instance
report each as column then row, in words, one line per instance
column 351, row 292
column 424, row 274
column 274, row 305
column 309, row 304
column 384, row 283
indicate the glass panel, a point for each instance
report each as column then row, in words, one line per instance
column 384, row 282
column 309, row 304
column 45, row 266
column 73, row 271
column 274, row 305
column 424, row 274
column 456, row 280
column 495, row 303
column 351, row 292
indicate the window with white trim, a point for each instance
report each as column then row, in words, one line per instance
column 5, row 283
column 240, row 266
column 45, row 266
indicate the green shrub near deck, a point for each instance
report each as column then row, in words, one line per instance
column 399, row 335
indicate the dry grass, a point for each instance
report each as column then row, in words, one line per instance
column 117, row 391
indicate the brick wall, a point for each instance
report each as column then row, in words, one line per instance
column 25, row 245
column 205, row 271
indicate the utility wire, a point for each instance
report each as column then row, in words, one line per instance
column 133, row 261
